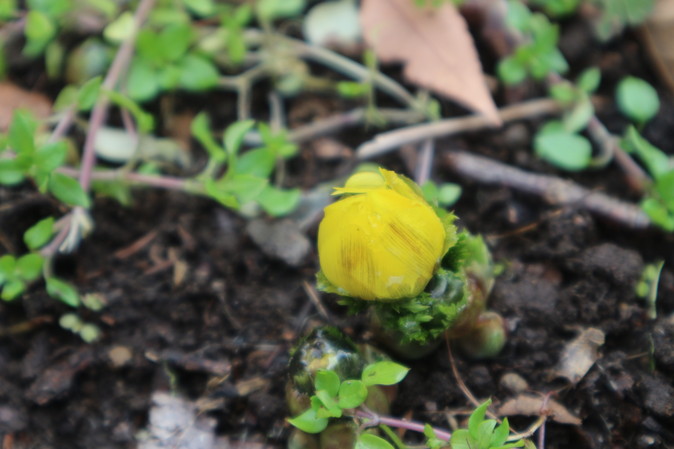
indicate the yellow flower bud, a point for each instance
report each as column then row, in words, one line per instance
column 384, row 241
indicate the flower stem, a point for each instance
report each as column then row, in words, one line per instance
column 162, row 182
column 414, row 426
column 99, row 113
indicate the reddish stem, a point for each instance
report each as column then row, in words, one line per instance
column 401, row 424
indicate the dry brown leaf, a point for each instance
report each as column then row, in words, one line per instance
column 580, row 354
column 13, row 97
column 657, row 34
column 528, row 405
column 435, row 46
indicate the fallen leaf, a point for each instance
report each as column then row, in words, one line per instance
column 657, row 32
column 580, row 354
column 528, row 405
column 435, row 46
column 13, row 97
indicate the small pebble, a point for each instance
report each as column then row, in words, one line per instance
column 513, row 382
column 120, row 356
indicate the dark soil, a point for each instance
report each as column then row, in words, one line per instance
column 220, row 334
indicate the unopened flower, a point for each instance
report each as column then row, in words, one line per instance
column 383, row 241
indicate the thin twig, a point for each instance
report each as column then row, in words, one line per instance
column 377, row 419
column 242, row 84
column 99, row 113
column 340, row 121
column 636, row 176
column 388, row 141
column 553, row 190
column 424, row 161
column 338, row 63
column 310, row 290
column 351, row 68
column 162, row 182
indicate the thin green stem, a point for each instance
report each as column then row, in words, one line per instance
column 392, row 436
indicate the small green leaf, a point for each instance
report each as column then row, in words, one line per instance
column 664, row 186
column 658, row 213
column 258, row 162
column 449, row 194
column 8, row 9
column 279, row 202
column 245, row 187
column 351, row 89
column 327, row 380
column 564, row 150
column 39, row 234
column 309, row 422
column 121, row 29
column 518, row 16
column 71, row 322
column 10, row 173
column 511, row 71
column 201, row 8
column 90, row 333
column 201, row 130
column 39, row 31
column 118, row 190
column 63, row 291
column 66, row 98
column 51, row 156
column 214, row 191
column 279, row 9
column 352, row 393
column 656, row 161
column 637, row 99
column 143, row 81
column 484, row 433
column 500, row 434
column 175, row 40
column 147, row 43
column 198, row 73
column 13, row 289
column 477, row 418
column 234, row 135
column 29, row 266
column 144, row 120
column 7, row 267
column 22, row 130
column 53, row 59
column 88, row 94
column 430, row 191
column 384, row 373
column 579, row 116
column 68, row 190
column 369, row 441
column 564, row 92
column 330, row 408
column 589, row 80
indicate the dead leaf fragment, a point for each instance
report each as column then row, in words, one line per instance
column 528, row 405
column 657, row 35
column 435, row 46
column 13, row 97
column 580, row 354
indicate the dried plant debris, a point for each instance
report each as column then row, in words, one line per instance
column 435, row 46
column 580, row 354
column 175, row 424
column 528, row 405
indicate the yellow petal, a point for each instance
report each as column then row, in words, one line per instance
column 361, row 183
column 401, row 184
column 380, row 244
